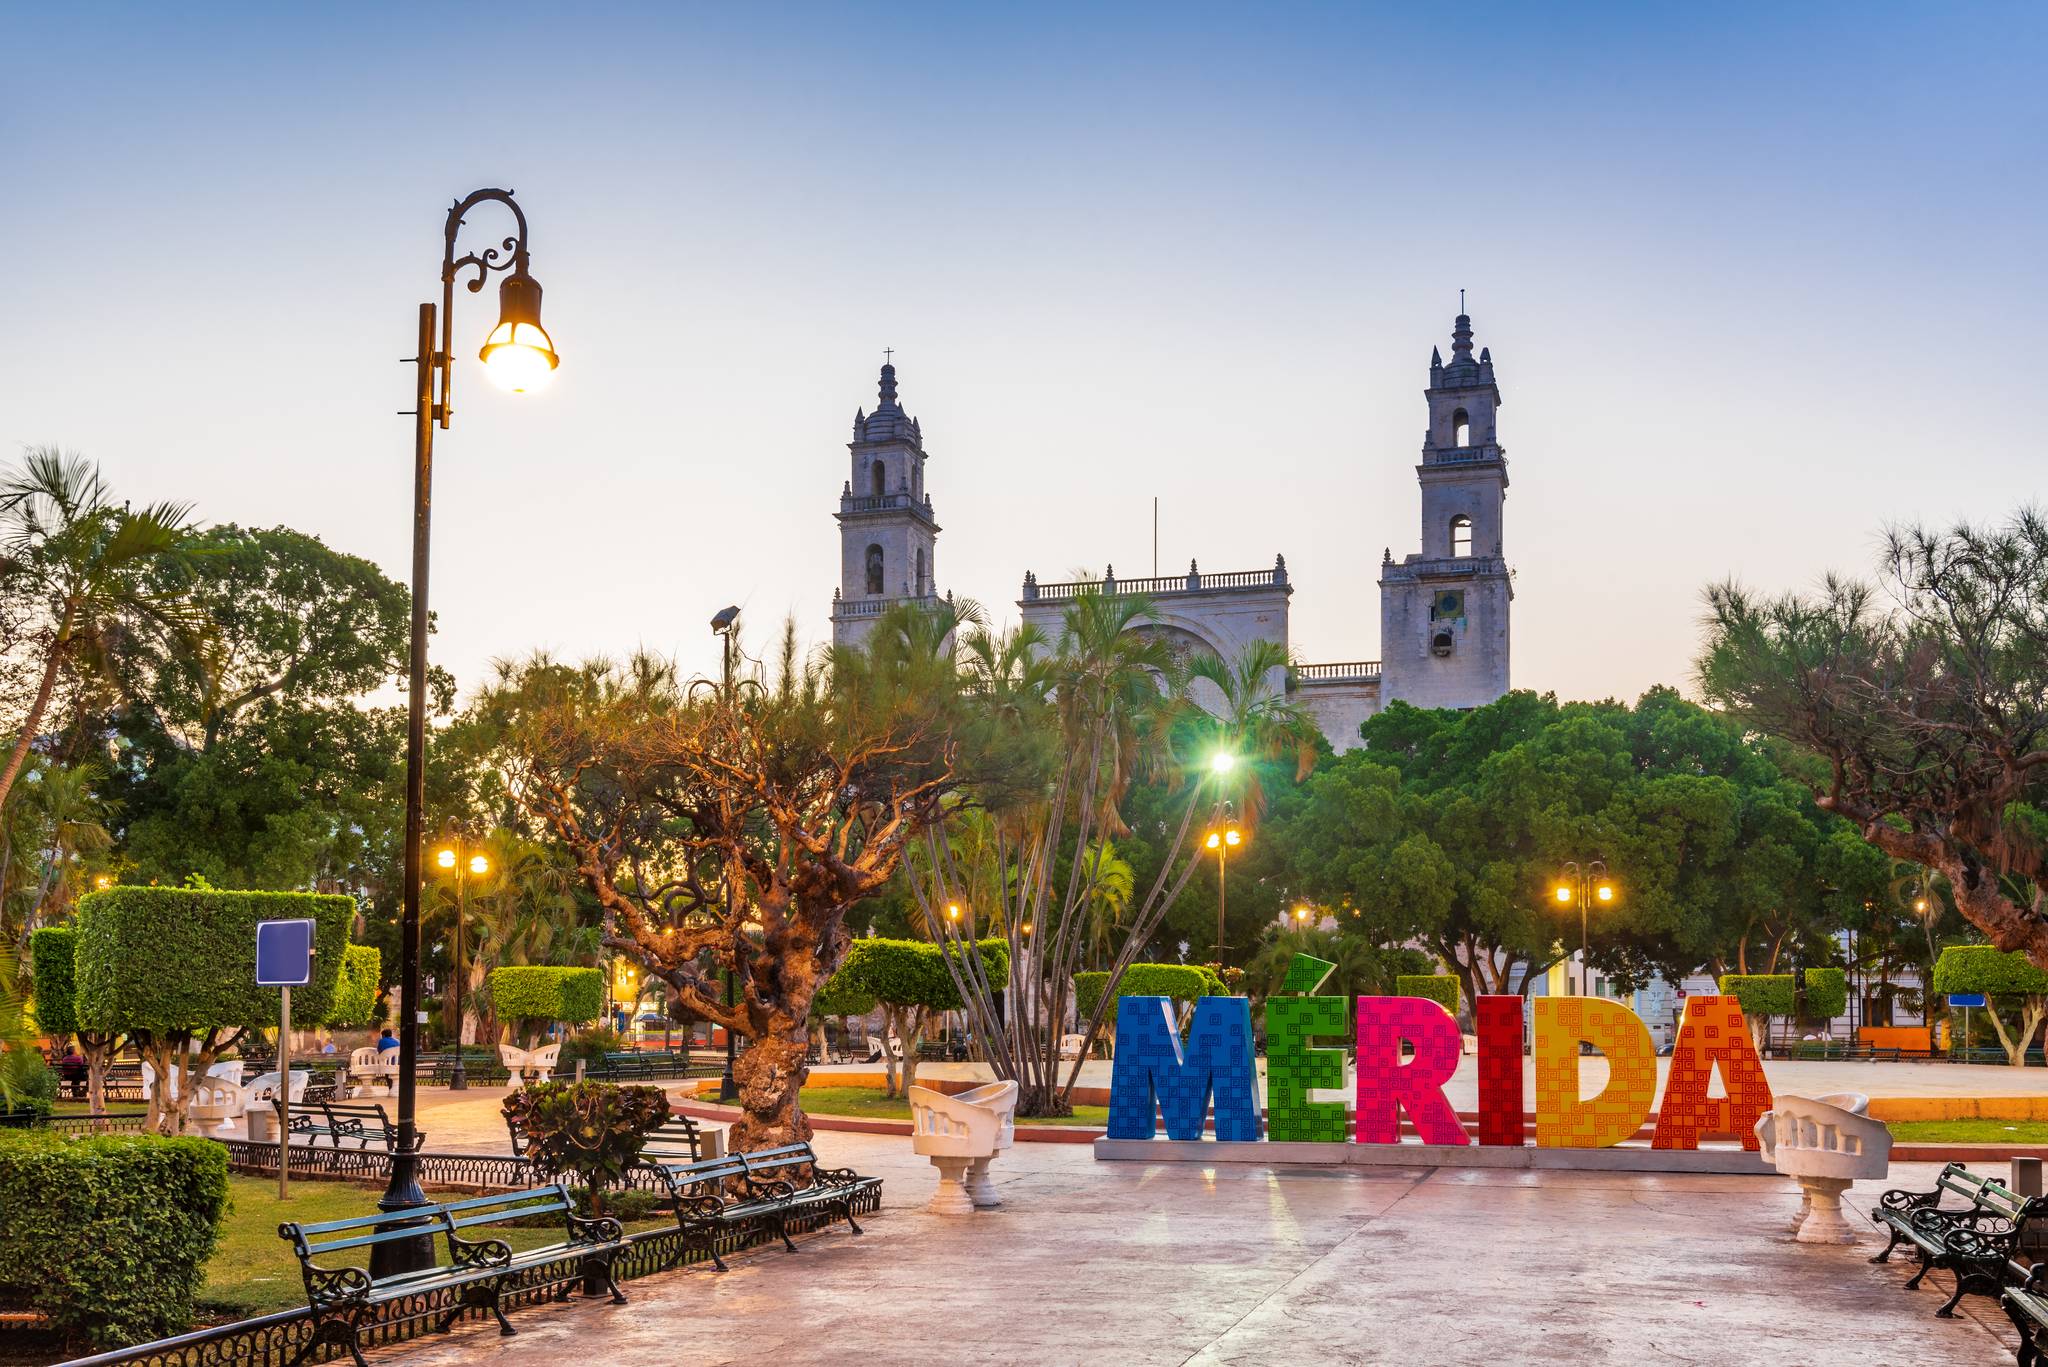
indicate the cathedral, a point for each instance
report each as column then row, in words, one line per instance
column 1443, row 610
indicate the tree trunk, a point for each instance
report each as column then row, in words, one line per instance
column 2015, row 1043
column 98, row 1049
column 51, row 664
column 770, row 1073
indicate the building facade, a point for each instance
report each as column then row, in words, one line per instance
column 1444, row 610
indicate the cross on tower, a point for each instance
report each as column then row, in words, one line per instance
column 887, row 353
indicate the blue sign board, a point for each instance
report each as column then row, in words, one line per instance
column 1966, row 999
column 284, row 953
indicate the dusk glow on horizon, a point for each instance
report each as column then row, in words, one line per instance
column 1754, row 289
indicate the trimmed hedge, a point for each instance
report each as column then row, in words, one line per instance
column 52, row 955
column 573, row 995
column 1182, row 982
column 176, row 960
column 355, row 993
column 1827, row 993
column 109, row 1236
column 1771, row 994
column 1441, row 988
column 1984, row 968
column 909, row 973
column 841, row 996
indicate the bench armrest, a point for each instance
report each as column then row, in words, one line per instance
column 1900, row 1199
column 471, row 1254
column 837, row 1177
column 599, row 1229
column 706, row 1207
column 770, row 1186
column 329, row 1286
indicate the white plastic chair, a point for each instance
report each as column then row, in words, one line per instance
column 962, row 1135
column 1824, row 1143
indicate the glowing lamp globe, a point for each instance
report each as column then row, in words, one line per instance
column 479, row 865
column 519, row 356
column 445, row 858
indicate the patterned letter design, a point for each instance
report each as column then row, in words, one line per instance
column 1153, row 1075
column 1385, row 1084
column 1712, row 1032
column 1562, row 1120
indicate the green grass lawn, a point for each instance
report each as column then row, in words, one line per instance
column 1969, row 1131
column 254, row 1272
column 868, row 1103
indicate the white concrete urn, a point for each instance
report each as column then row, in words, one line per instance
column 962, row 1135
column 1826, row 1144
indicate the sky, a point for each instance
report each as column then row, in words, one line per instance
column 1757, row 281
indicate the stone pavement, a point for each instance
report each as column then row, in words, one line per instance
column 1135, row 1264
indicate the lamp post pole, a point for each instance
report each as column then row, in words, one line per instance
column 458, row 1079
column 518, row 332
column 1224, row 834
column 1581, row 883
column 723, row 626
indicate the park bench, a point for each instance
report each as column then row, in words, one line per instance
column 479, row 1269
column 363, row 1121
column 1977, row 1242
column 2026, row 1305
column 714, row 1193
column 482, row 1068
column 124, row 1081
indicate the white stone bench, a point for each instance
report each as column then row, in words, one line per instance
column 962, row 1135
column 1825, row 1144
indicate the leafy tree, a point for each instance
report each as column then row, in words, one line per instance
column 2010, row 981
column 1363, row 968
column 52, row 841
column 908, row 979
column 731, row 829
column 1924, row 701
column 174, row 969
column 80, row 569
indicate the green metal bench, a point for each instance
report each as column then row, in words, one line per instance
column 717, row 1192
column 1978, row 1242
column 479, row 1270
column 366, row 1122
column 2026, row 1305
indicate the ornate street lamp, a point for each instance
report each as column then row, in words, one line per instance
column 462, row 861
column 519, row 356
column 1225, row 836
column 1584, row 883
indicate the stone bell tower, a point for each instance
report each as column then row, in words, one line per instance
column 1444, row 613
column 888, row 540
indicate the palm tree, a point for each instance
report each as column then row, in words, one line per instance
column 49, row 842
column 1111, row 883
column 85, row 565
column 523, row 911
column 1255, row 719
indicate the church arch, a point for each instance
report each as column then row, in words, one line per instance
column 875, row 568
column 880, row 476
column 1461, row 428
column 1461, row 536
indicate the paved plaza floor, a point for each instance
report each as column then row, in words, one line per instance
column 1126, row 1263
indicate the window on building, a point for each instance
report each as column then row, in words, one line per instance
column 1461, row 535
column 881, row 478
column 920, row 569
column 875, row 569
column 1461, row 428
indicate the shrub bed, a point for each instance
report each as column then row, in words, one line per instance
column 109, row 1236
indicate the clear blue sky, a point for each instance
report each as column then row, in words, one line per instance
column 1757, row 280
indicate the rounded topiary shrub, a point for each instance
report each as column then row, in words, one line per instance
column 109, row 1236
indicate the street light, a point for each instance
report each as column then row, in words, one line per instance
column 1225, row 836
column 1583, row 883
column 450, row 858
column 520, row 356
column 1301, row 915
column 725, row 625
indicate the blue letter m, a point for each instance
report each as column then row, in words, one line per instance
column 1154, row 1075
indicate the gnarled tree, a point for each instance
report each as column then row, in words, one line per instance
column 727, row 826
column 1928, row 702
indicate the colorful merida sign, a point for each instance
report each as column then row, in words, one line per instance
column 1156, row 1074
